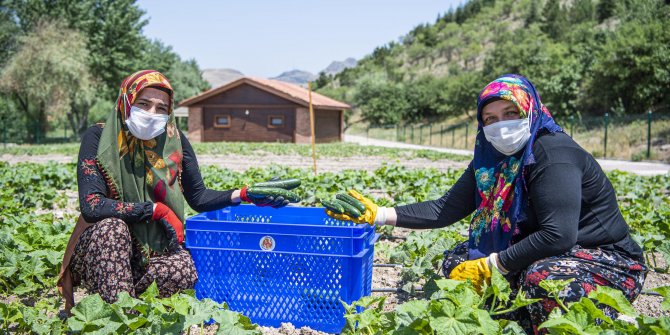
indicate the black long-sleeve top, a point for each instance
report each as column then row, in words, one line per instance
column 95, row 205
column 571, row 202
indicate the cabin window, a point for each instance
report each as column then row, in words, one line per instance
column 222, row 121
column 275, row 121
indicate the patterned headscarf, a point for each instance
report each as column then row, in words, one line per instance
column 501, row 191
column 138, row 170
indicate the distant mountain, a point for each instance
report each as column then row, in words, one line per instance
column 218, row 77
column 337, row 66
column 298, row 77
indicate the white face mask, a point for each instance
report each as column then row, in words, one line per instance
column 144, row 125
column 508, row 137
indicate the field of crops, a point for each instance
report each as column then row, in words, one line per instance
column 39, row 208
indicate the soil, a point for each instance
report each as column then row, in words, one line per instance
column 241, row 163
column 383, row 277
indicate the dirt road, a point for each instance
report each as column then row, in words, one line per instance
column 641, row 168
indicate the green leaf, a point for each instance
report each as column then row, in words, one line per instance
column 664, row 291
column 93, row 314
column 520, row 300
column 561, row 326
column 613, row 298
column 368, row 301
column 446, row 318
column 500, row 286
column 233, row 323
column 554, row 287
column 649, row 325
column 151, row 294
column 412, row 314
column 511, row 328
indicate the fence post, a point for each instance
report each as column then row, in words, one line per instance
column 367, row 132
column 442, row 135
column 467, row 125
column 404, row 133
column 453, row 136
column 648, row 134
column 397, row 133
column 431, row 134
column 607, row 119
column 412, row 131
column 4, row 132
column 37, row 133
column 572, row 124
column 421, row 135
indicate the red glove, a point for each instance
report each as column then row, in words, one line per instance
column 261, row 202
column 163, row 213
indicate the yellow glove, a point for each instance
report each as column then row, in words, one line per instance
column 477, row 271
column 366, row 217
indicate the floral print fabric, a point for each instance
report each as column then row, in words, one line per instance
column 587, row 267
column 107, row 262
column 93, row 202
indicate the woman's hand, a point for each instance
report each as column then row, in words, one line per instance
column 274, row 193
column 356, row 208
column 173, row 226
column 478, row 270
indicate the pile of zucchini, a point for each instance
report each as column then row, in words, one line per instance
column 275, row 188
column 345, row 204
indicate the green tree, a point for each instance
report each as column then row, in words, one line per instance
column 423, row 99
column 113, row 29
column 8, row 32
column 460, row 92
column 581, row 11
column 532, row 15
column 605, row 9
column 185, row 76
column 157, row 56
column 49, row 74
column 554, row 19
column 381, row 102
column 321, row 81
column 186, row 79
column 550, row 65
column 634, row 65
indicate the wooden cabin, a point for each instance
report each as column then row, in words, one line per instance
column 262, row 110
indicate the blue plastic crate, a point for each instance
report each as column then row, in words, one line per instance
column 292, row 264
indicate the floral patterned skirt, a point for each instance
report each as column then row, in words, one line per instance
column 587, row 268
column 105, row 261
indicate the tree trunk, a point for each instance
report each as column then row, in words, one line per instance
column 42, row 124
column 78, row 118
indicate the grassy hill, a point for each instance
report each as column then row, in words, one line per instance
column 586, row 57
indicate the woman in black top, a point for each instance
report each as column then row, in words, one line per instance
column 542, row 207
column 134, row 173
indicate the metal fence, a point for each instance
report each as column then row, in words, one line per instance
column 631, row 137
column 35, row 132
column 604, row 136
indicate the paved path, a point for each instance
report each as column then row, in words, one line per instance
column 640, row 168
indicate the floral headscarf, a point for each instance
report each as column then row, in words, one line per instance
column 138, row 170
column 501, row 191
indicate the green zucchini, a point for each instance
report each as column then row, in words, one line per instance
column 261, row 192
column 352, row 201
column 333, row 206
column 287, row 184
column 348, row 208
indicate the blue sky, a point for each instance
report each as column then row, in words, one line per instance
column 265, row 38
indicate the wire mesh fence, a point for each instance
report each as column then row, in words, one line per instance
column 25, row 131
column 630, row 137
